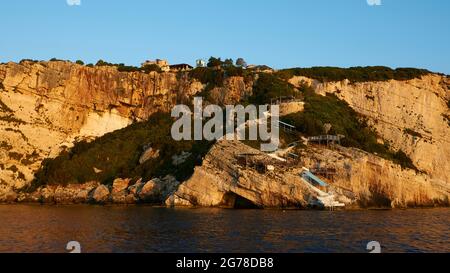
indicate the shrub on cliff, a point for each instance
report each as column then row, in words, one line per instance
column 320, row 110
column 269, row 86
column 103, row 63
column 28, row 60
column 127, row 68
column 151, row 68
column 208, row 76
column 240, row 62
column 117, row 154
column 80, row 62
column 234, row 71
column 56, row 60
column 354, row 74
column 214, row 62
column 120, row 67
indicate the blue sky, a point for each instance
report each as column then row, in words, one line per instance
column 281, row 33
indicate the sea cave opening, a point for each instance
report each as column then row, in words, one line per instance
column 235, row 201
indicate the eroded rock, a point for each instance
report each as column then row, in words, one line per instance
column 100, row 195
column 148, row 154
column 8, row 197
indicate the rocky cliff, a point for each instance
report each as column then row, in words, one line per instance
column 361, row 180
column 224, row 181
column 412, row 115
column 46, row 106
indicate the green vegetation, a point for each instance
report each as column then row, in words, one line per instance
column 28, row 60
column 214, row 62
column 208, row 76
column 80, row 62
column 103, row 63
column 121, row 67
column 354, row 74
column 269, row 86
column 216, row 71
column 240, row 62
column 117, row 155
column 320, row 110
column 128, row 68
column 151, row 68
column 234, row 71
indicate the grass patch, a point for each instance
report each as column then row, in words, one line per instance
column 354, row 74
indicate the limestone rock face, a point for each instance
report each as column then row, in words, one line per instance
column 46, row 106
column 76, row 193
column 221, row 181
column 120, row 185
column 233, row 90
column 362, row 180
column 412, row 115
column 291, row 107
column 136, row 188
column 148, row 154
column 157, row 190
column 8, row 197
column 150, row 191
column 100, row 194
column 69, row 194
column 374, row 181
column 119, row 192
column 175, row 201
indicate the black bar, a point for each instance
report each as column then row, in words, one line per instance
column 220, row 262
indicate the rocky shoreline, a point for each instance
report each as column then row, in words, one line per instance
column 221, row 181
column 122, row 191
